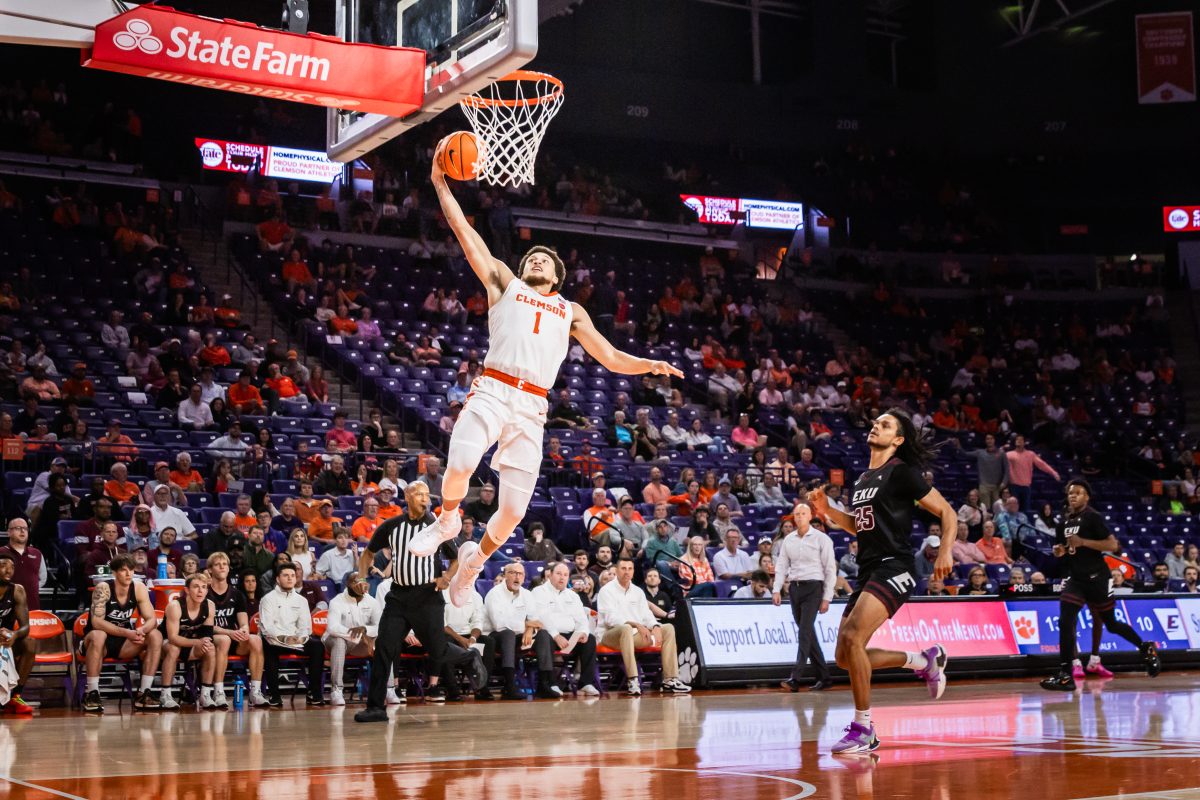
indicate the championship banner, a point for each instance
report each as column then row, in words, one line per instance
column 159, row 42
column 1166, row 59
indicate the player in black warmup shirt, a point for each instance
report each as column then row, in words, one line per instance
column 881, row 517
column 1083, row 539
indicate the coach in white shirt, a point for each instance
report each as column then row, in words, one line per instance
column 506, row 617
column 731, row 562
column 564, row 620
column 807, row 565
column 286, row 627
column 625, row 623
column 351, row 630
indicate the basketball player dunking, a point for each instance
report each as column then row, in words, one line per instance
column 529, row 330
column 881, row 518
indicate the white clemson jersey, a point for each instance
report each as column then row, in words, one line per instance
column 529, row 334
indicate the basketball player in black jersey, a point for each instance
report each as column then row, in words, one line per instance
column 1082, row 539
column 112, row 632
column 881, row 517
column 189, row 623
column 231, row 632
column 14, row 632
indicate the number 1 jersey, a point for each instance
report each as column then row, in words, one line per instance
column 882, row 505
column 529, row 334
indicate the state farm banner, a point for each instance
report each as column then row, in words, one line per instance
column 1166, row 58
column 159, row 42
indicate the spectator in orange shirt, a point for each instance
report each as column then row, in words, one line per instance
column 321, row 528
column 213, row 354
column 586, row 464
column 243, row 515
column 244, row 398
column 341, row 324
column 669, row 304
column 183, row 474
column 120, row 488
column 944, row 419
column 709, row 487
column 79, row 387
column 274, row 234
column 117, row 445
column 39, row 386
column 597, row 521
column 296, row 273
column 364, row 527
column 689, row 501
column 306, row 505
column 282, row 387
column 387, row 493
column 992, row 545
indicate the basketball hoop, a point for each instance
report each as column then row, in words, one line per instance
column 510, row 118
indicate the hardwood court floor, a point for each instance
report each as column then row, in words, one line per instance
column 1129, row 736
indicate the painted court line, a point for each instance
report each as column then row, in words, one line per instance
column 54, row 792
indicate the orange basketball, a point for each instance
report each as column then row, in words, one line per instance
column 459, row 156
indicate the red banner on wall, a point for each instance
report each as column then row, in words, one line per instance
column 1181, row 219
column 1166, row 58
column 232, row 56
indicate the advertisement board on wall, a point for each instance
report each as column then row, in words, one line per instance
column 282, row 163
column 765, row 214
column 730, row 634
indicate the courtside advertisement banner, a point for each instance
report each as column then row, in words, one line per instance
column 159, row 42
column 759, row 634
column 283, row 163
column 1166, row 58
column 1181, row 219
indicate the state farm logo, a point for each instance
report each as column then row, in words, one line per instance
column 1178, row 219
column 211, row 154
column 137, row 36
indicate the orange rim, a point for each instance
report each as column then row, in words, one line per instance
column 475, row 101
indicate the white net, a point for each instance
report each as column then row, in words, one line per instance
column 510, row 118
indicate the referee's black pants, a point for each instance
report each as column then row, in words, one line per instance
column 806, row 603
column 419, row 609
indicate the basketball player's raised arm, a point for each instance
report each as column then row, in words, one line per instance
column 610, row 357
column 494, row 273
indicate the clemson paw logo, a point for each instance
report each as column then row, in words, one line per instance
column 1025, row 628
column 688, row 668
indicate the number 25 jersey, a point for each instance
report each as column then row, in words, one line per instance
column 528, row 334
column 882, row 505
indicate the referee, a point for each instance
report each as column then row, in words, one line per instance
column 806, row 563
column 414, row 603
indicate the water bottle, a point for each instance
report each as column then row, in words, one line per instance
column 239, row 692
column 162, row 566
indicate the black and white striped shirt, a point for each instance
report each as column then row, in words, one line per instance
column 409, row 570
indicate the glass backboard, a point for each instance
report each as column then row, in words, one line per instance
column 468, row 44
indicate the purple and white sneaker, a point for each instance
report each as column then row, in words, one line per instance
column 934, row 675
column 858, row 739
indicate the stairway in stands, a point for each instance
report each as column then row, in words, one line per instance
column 209, row 257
